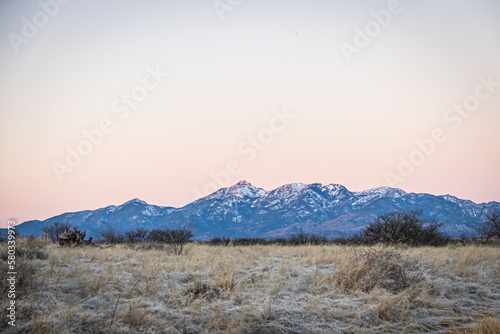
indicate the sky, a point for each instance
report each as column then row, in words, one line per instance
column 105, row 101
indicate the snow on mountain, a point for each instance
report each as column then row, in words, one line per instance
column 243, row 210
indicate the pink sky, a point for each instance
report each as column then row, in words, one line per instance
column 265, row 95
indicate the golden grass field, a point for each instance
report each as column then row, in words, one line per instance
column 257, row 289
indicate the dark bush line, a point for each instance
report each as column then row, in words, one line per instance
column 294, row 240
column 176, row 239
column 342, row 241
column 219, row 241
column 393, row 228
column 396, row 227
column 183, row 232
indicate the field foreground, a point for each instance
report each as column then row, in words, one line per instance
column 254, row 289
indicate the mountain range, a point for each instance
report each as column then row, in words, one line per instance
column 243, row 210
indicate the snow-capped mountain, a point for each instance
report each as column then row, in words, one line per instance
column 243, row 210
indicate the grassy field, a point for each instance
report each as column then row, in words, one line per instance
column 256, row 289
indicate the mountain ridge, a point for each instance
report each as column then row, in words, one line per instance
column 243, row 210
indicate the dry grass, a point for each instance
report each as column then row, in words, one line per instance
column 260, row 289
column 489, row 325
column 378, row 268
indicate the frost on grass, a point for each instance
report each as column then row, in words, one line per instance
column 258, row 289
column 383, row 268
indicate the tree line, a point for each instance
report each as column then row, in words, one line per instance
column 397, row 227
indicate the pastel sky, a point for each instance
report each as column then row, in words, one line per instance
column 271, row 92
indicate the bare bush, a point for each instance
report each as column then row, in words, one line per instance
column 147, row 245
column 491, row 228
column 179, row 237
column 25, row 277
column 217, row 241
column 299, row 239
column 404, row 227
column 111, row 235
column 355, row 240
column 27, row 250
column 140, row 234
column 307, row 239
column 158, row 235
column 32, row 248
column 384, row 268
column 250, row 241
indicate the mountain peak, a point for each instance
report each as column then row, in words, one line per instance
column 135, row 201
column 289, row 190
column 295, row 187
column 243, row 183
column 336, row 189
column 383, row 191
column 244, row 188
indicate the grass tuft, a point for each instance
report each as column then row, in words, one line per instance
column 378, row 268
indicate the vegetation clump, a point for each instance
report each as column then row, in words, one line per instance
column 491, row 228
column 383, row 268
column 74, row 238
column 404, row 227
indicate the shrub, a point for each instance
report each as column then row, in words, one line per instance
column 27, row 249
column 31, row 248
column 315, row 239
column 4, row 234
column 158, row 235
column 110, row 235
column 465, row 240
column 404, row 227
column 355, row 240
column 179, row 237
column 249, row 241
column 138, row 235
column 147, row 245
column 280, row 241
column 491, row 228
column 384, row 268
column 307, row 239
column 224, row 241
column 298, row 239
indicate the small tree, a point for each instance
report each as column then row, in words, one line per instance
column 158, row 235
column 404, row 227
column 179, row 237
column 54, row 231
column 110, row 235
column 491, row 228
column 140, row 234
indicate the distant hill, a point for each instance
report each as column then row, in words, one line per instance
column 243, row 210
